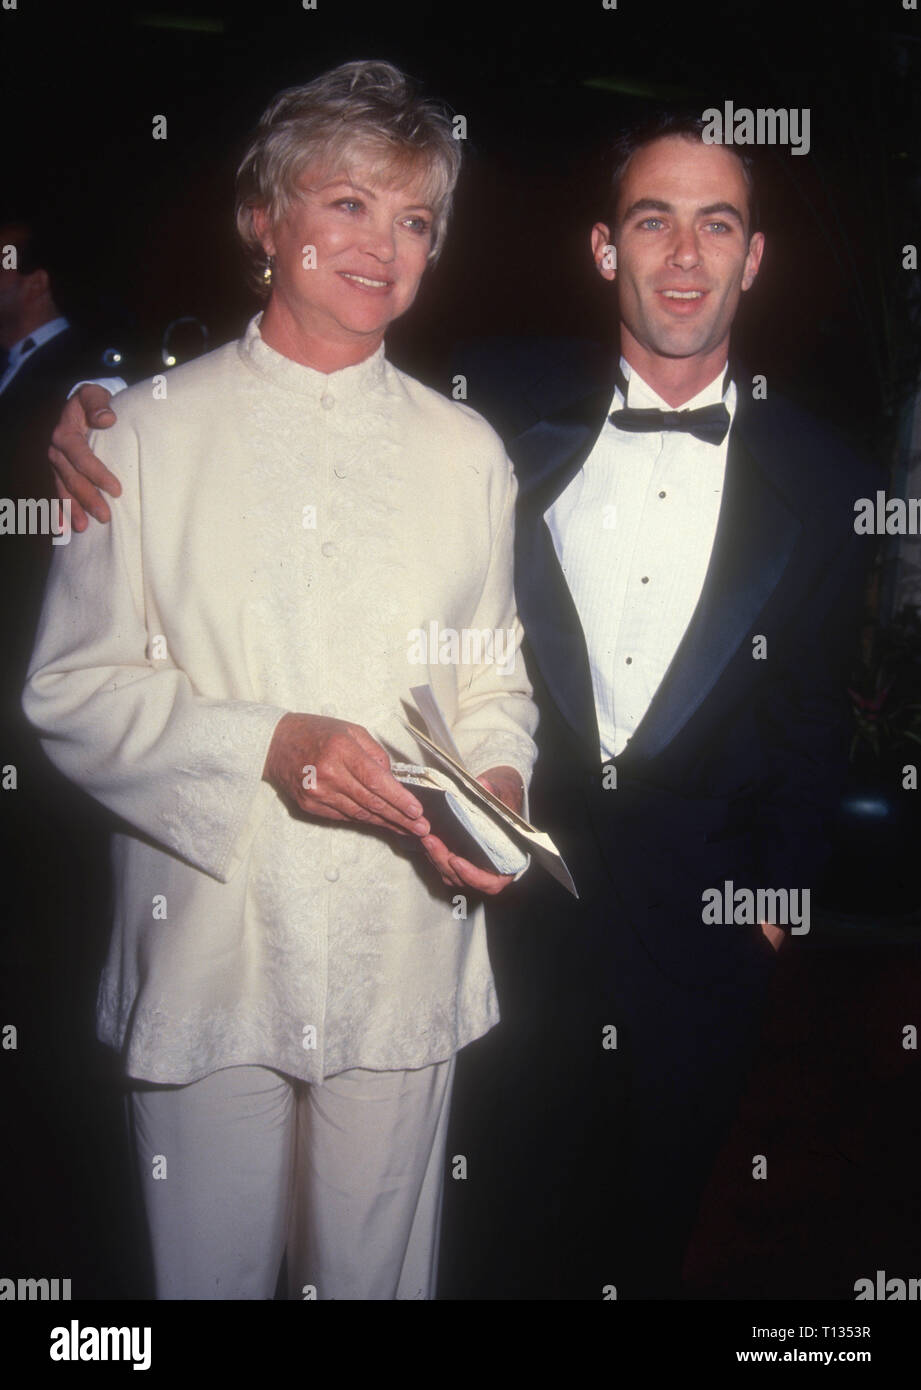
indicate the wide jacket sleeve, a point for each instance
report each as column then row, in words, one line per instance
column 178, row 764
column 496, row 717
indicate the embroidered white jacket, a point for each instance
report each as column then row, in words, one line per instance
column 281, row 538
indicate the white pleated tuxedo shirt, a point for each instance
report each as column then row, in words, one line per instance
column 634, row 533
column 280, row 534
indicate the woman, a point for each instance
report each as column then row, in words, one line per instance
column 222, row 667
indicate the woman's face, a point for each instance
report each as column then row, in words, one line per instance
column 349, row 254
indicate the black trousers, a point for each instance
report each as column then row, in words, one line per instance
column 592, row 1115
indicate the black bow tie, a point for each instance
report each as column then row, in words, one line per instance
column 710, row 423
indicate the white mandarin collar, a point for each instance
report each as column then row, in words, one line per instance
column 643, row 397
column 348, row 384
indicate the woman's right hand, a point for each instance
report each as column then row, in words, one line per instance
column 333, row 769
column 79, row 475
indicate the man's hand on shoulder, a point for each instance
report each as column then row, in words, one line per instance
column 79, row 475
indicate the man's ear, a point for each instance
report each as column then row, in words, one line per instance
column 753, row 260
column 37, row 284
column 603, row 251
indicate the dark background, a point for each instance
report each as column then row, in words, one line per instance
column 145, row 226
column 144, row 233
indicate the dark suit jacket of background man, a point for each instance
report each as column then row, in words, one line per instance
column 29, row 409
column 32, row 402
column 56, row 902
column 730, row 776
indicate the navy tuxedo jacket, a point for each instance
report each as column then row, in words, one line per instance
column 733, row 773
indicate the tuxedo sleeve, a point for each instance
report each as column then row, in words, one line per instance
column 805, row 720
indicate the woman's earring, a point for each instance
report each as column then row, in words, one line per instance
column 267, row 272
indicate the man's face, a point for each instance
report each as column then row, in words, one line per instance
column 684, row 256
column 371, row 241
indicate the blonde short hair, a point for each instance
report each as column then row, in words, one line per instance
column 366, row 108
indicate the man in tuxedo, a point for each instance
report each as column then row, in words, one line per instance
column 688, row 577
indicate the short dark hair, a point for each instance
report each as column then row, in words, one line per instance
column 690, row 126
column 35, row 249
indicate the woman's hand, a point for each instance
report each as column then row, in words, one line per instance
column 78, row 473
column 506, row 784
column 333, row 769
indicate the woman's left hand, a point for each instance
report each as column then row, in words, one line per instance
column 506, row 784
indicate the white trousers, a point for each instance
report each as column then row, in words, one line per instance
column 347, row 1175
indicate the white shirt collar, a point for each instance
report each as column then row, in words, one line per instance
column 643, row 397
column 38, row 337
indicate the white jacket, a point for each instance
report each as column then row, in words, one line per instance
column 281, row 536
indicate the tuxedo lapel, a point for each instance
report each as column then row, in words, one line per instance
column 755, row 536
column 547, row 457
